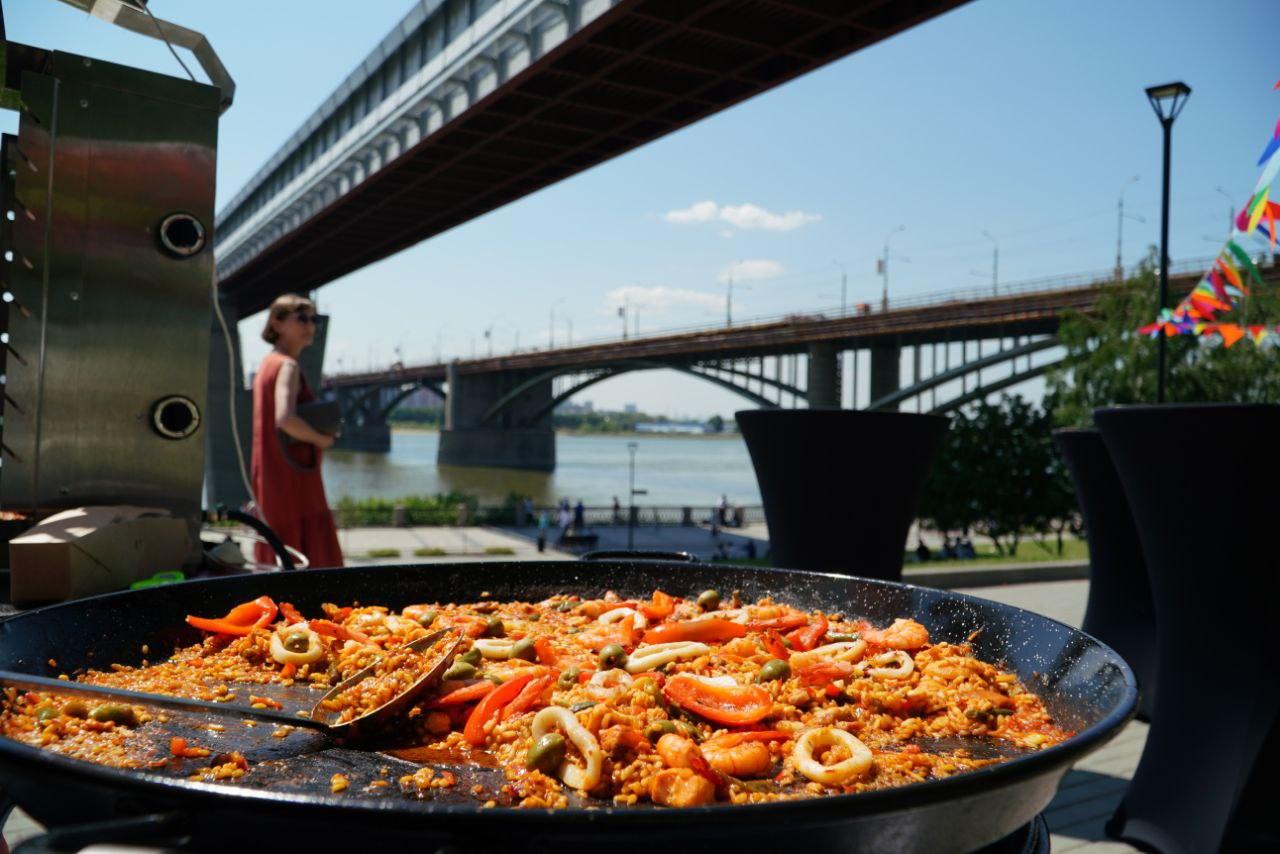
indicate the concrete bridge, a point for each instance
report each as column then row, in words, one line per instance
column 933, row 354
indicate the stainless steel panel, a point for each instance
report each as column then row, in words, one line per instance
column 107, row 320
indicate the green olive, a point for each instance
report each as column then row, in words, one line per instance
column 297, row 642
column 524, row 650
column 709, row 600
column 461, row 670
column 76, row 709
column 775, row 669
column 471, row 656
column 546, row 754
column 569, row 678
column 688, row 730
column 427, row 619
column 534, row 617
column 494, row 628
column 116, row 713
column 46, row 713
column 612, row 656
column 658, row 729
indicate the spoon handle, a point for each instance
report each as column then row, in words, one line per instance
column 81, row 689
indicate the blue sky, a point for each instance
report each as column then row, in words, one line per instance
column 1018, row 117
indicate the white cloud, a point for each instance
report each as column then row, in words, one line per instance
column 745, row 216
column 697, row 212
column 659, row 298
column 758, row 268
column 753, row 216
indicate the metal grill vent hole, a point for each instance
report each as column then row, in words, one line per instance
column 182, row 234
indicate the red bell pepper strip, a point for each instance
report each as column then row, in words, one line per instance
column 469, row 693
column 291, row 614
column 778, row 624
column 490, row 706
column 240, row 620
column 528, row 696
column 288, row 671
column 773, row 643
column 330, row 629
column 545, row 652
column 714, row 629
column 810, row 636
column 740, row 704
column 462, row 696
column 660, row 608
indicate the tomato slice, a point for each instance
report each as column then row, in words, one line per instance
column 740, row 704
column 662, row 606
column 810, row 636
column 713, row 630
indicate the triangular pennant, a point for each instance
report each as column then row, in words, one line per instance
column 1245, row 261
column 1231, row 333
column 1259, row 208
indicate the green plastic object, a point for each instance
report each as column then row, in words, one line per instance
column 171, row 576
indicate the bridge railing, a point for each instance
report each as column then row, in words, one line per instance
column 593, row 517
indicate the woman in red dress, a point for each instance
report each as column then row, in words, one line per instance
column 286, row 471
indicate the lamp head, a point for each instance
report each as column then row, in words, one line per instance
column 1168, row 100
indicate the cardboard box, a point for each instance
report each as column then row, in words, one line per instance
column 92, row 550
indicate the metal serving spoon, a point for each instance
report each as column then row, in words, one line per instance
column 317, row 720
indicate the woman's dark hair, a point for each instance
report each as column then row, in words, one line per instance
column 284, row 305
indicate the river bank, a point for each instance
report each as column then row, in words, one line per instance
column 626, row 434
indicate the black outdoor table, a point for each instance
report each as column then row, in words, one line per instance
column 1211, row 550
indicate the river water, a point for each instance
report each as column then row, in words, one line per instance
column 677, row 471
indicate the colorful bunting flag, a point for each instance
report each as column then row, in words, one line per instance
column 1224, row 284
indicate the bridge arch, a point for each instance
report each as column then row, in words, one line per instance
column 608, row 371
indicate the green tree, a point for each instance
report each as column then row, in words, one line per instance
column 715, row 424
column 1108, row 363
column 998, row 475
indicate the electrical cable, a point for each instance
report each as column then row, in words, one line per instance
column 233, row 388
column 160, row 33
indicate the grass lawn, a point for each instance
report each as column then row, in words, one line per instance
column 1029, row 551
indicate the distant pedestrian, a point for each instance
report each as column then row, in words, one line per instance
column 964, row 548
column 922, row 551
column 617, row 511
column 751, row 549
column 948, row 548
column 544, row 522
column 564, row 519
column 722, row 509
column 579, row 516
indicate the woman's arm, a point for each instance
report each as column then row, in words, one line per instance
column 287, row 418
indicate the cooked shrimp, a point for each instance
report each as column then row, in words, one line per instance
column 681, row 787
column 678, row 751
column 902, row 634
column 744, row 759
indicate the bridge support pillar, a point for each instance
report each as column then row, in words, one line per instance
column 223, row 484
column 520, row 436
column 823, row 382
column 886, row 370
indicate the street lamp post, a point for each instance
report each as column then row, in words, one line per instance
column 1167, row 101
column 884, row 269
column 632, row 492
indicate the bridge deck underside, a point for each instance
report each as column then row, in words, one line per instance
column 640, row 71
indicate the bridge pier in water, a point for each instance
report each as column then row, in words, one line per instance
column 886, row 370
column 498, row 420
column 823, row 381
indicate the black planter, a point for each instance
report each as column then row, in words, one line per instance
column 1120, row 612
column 1210, row 543
column 841, row 487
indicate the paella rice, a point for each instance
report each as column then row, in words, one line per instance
column 665, row 700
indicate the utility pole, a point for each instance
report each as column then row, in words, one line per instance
column 622, row 312
column 728, row 302
column 632, row 492
column 995, row 262
column 884, row 269
column 1120, row 229
column 1231, row 213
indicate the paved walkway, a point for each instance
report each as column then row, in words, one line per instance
column 1088, row 794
